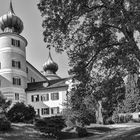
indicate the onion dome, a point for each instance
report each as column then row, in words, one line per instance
column 50, row 66
column 10, row 22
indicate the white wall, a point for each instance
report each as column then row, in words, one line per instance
column 48, row 104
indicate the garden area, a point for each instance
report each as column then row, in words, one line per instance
column 129, row 131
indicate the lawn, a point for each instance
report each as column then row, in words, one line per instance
column 130, row 131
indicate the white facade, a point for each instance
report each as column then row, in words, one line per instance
column 46, row 100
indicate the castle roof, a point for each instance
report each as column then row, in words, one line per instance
column 46, row 85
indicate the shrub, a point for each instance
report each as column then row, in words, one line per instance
column 128, row 117
column 4, row 125
column 21, row 113
column 51, row 126
column 122, row 119
column 81, row 131
column 115, row 118
column 109, row 121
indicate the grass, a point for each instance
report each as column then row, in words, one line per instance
column 97, row 132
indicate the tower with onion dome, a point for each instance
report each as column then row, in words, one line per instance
column 50, row 68
column 13, row 77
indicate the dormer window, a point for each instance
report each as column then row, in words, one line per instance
column 16, row 64
column 15, row 42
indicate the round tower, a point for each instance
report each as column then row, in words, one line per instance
column 13, row 77
column 50, row 68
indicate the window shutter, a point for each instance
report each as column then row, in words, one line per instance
column 32, row 98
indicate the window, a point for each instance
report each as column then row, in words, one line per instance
column 16, row 81
column 55, row 96
column 26, row 70
column 16, row 64
column 15, row 42
column 35, row 98
column 16, row 96
column 37, row 111
column 55, row 110
column 32, row 80
column 45, row 97
column 45, row 111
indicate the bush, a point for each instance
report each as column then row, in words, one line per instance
column 115, row 118
column 4, row 125
column 81, row 131
column 128, row 117
column 51, row 126
column 122, row 119
column 21, row 113
column 109, row 121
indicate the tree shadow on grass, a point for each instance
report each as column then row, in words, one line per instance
column 94, row 131
column 72, row 135
column 133, row 134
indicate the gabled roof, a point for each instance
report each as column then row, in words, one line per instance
column 44, row 85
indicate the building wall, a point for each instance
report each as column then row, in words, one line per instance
column 50, row 103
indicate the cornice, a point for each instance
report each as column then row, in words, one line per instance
column 14, row 34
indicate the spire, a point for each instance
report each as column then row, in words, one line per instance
column 11, row 7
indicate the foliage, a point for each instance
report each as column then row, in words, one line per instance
column 19, row 112
column 51, row 125
column 101, row 40
column 128, row 117
column 82, row 132
column 4, row 124
column 4, row 103
column 109, row 121
column 115, row 117
column 122, row 119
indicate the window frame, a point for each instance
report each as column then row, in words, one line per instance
column 35, row 98
column 15, row 42
column 17, row 97
column 45, row 111
column 16, row 64
column 55, row 96
column 45, row 97
column 17, row 81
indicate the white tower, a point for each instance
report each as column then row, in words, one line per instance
column 13, row 77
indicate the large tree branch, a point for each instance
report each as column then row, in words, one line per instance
column 113, row 26
column 94, row 57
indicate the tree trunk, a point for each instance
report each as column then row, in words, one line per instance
column 99, row 117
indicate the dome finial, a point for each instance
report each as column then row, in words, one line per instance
column 11, row 7
column 50, row 66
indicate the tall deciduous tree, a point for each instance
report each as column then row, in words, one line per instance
column 97, row 34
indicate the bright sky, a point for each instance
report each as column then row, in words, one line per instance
column 36, row 52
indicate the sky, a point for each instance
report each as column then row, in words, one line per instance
column 36, row 51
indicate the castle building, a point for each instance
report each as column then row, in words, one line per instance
column 22, row 82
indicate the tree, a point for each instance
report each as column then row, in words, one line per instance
column 4, row 105
column 97, row 34
column 21, row 113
